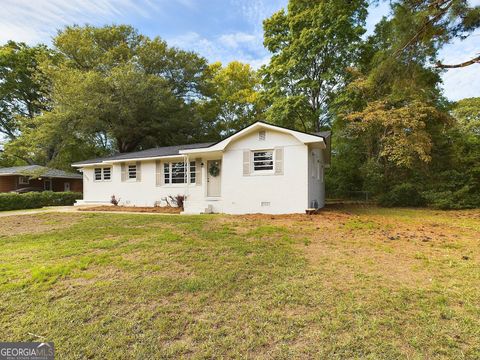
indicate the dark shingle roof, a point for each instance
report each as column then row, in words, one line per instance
column 38, row 170
column 149, row 153
column 174, row 150
column 324, row 134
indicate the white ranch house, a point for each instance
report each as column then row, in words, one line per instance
column 261, row 169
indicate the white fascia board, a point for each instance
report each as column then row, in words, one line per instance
column 143, row 159
column 111, row 162
column 86, row 165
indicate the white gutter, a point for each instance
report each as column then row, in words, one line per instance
column 108, row 162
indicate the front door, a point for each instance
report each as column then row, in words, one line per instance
column 214, row 169
column 66, row 186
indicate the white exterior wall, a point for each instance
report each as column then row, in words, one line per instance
column 287, row 193
column 133, row 193
column 290, row 192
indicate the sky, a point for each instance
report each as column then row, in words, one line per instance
column 220, row 30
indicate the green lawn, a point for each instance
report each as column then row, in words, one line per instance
column 348, row 283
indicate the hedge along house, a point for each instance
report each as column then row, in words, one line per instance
column 39, row 178
column 261, row 169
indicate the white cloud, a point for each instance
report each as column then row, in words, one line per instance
column 225, row 48
column 34, row 21
column 237, row 39
column 461, row 82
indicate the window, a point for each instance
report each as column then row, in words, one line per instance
column 178, row 173
column 132, row 171
column 263, row 160
column 98, row 174
column 107, row 173
column 193, row 171
column 103, row 174
column 23, row 180
column 261, row 135
column 166, row 172
column 175, row 172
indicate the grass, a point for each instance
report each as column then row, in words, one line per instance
column 355, row 282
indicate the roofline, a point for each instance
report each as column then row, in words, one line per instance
column 110, row 162
column 73, row 176
column 199, row 150
column 194, row 150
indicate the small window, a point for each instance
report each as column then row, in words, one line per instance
column 103, row 174
column 98, row 174
column 193, row 170
column 263, row 160
column 261, row 135
column 132, row 171
column 24, row 180
column 107, row 173
column 166, row 172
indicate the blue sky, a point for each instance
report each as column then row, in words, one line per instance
column 220, row 30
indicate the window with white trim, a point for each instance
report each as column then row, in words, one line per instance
column 193, row 172
column 23, row 180
column 107, row 173
column 103, row 174
column 98, row 174
column 132, row 172
column 262, row 160
column 175, row 172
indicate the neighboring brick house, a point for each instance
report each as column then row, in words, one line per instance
column 39, row 178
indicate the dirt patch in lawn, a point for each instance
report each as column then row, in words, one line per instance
column 159, row 210
column 37, row 223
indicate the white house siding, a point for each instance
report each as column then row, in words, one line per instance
column 290, row 192
column 134, row 193
column 287, row 193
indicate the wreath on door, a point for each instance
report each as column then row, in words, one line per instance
column 214, row 170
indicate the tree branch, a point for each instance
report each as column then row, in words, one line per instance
column 463, row 64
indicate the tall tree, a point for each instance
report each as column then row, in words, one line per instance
column 312, row 44
column 22, row 95
column 394, row 107
column 234, row 98
column 137, row 91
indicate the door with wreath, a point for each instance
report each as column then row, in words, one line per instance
column 214, row 169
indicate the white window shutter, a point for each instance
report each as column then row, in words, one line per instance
column 159, row 178
column 124, row 172
column 246, row 163
column 279, row 161
column 139, row 170
column 198, row 171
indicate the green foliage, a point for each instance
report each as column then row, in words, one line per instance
column 312, row 44
column 403, row 195
column 23, row 90
column 32, row 200
column 235, row 100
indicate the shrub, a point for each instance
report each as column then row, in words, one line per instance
column 465, row 197
column 176, row 201
column 32, row 200
column 114, row 201
column 402, row 195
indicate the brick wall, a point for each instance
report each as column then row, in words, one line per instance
column 9, row 183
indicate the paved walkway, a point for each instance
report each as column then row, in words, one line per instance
column 67, row 209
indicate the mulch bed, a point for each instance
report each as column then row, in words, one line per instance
column 160, row 210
